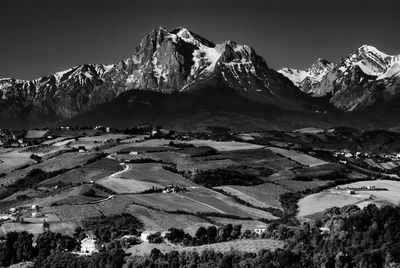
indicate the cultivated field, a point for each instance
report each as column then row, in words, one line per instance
column 200, row 200
column 243, row 245
column 62, row 161
column 11, row 159
column 73, row 213
column 320, row 201
column 224, row 203
column 91, row 172
column 295, row 186
column 225, row 145
column 263, row 195
column 137, row 178
column 161, row 221
column 303, row 159
column 261, row 158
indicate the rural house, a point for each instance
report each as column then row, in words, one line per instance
column 88, row 245
column 145, row 235
column 260, row 229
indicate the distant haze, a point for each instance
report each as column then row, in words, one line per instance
column 40, row 37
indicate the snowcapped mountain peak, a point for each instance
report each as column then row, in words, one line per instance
column 365, row 49
column 164, row 61
column 306, row 79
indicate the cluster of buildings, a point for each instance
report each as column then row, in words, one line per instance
column 352, row 190
column 18, row 214
column 173, row 189
column 386, row 161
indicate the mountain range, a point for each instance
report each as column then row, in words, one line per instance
column 177, row 78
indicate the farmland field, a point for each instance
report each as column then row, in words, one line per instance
column 243, row 245
column 224, row 203
column 320, row 201
column 226, row 145
column 160, row 220
column 62, row 161
column 11, row 159
column 263, row 195
column 91, row 172
column 295, row 186
column 72, row 213
column 204, row 163
column 199, row 200
column 139, row 177
column 261, row 158
column 301, row 158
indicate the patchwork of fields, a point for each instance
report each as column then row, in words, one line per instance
column 137, row 164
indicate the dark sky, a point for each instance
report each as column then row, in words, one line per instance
column 39, row 37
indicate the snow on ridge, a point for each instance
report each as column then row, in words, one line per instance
column 158, row 70
column 374, row 50
column 205, row 56
column 58, row 76
column 296, row 76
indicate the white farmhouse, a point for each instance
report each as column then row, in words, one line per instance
column 88, row 245
column 260, row 229
column 145, row 235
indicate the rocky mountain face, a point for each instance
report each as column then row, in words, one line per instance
column 164, row 61
column 363, row 79
column 306, row 80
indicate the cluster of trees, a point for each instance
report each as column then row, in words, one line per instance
column 96, row 158
column 332, row 176
column 356, row 238
column 231, row 176
column 105, row 259
column 106, row 229
column 352, row 238
column 144, row 160
column 203, row 235
column 181, row 145
column 33, row 178
column 17, row 247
